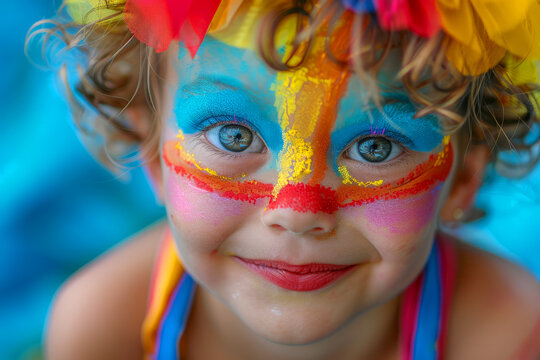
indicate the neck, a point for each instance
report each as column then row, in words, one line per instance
column 219, row 333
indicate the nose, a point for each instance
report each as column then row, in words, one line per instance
column 299, row 223
column 302, row 209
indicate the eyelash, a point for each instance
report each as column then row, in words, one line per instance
column 214, row 121
column 382, row 165
column 201, row 141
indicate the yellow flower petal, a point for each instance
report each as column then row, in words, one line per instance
column 482, row 31
column 459, row 21
column 240, row 32
column 499, row 16
column 513, row 25
column 89, row 11
column 226, row 11
column 468, row 61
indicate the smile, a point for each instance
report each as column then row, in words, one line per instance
column 308, row 277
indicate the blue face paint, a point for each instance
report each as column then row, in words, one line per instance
column 396, row 119
column 202, row 101
column 243, row 96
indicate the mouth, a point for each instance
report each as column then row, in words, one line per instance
column 308, row 277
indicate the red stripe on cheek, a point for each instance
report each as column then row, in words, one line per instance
column 248, row 191
column 422, row 178
column 302, row 197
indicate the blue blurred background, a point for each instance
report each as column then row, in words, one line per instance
column 60, row 209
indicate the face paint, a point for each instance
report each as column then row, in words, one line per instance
column 308, row 104
column 305, row 197
column 375, row 131
column 402, row 216
column 202, row 102
column 189, row 203
column 307, row 101
column 349, row 179
column 190, row 158
column 397, row 123
column 249, row 191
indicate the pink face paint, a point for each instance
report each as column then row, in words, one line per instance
column 403, row 216
column 190, row 203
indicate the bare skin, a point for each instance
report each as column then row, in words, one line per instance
column 99, row 312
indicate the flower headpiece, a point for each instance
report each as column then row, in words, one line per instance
column 480, row 32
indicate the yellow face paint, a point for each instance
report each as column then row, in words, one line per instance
column 306, row 101
column 190, row 159
column 349, row 179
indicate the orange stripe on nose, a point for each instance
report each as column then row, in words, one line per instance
column 307, row 100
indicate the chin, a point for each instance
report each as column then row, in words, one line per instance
column 285, row 334
column 293, row 325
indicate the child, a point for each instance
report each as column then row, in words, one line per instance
column 307, row 154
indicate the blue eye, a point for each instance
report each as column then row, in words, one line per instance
column 234, row 138
column 374, row 149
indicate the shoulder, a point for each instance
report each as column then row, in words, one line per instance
column 98, row 312
column 496, row 308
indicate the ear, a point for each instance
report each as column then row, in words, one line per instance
column 467, row 180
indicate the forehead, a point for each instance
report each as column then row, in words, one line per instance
column 218, row 66
column 243, row 68
column 243, row 84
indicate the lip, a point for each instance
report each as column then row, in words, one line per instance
column 308, row 277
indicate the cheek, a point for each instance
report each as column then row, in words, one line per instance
column 402, row 216
column 188, row 204
column 202, row 220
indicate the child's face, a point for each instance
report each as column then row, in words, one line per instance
column 264, row 169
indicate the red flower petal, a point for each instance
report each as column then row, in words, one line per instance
column 392, row 14
column 423, row 17
column 152, row 23
column 419, row 16
column 158, row 22
column 198, row 21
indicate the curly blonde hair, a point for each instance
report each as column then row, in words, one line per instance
column 117, row 73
